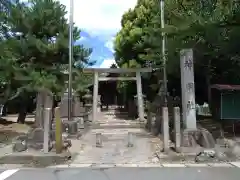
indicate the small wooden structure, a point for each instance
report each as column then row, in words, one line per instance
column 225, row 101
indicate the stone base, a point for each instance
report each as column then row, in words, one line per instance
column 36, row 158
column 189, row 137
column 194, row 138
column 34, row 141
column 72, row 127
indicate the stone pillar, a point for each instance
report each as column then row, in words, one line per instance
column 130, row 139
column 48, row 103
column 165, row 129
column 188, row 89
column 58, row 131
column 99, row 142
column 47, row 119
column 99, row 104
column 95, row 95
column 177, row 128
column 140, row 96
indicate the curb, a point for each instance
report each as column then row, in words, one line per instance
column 39, row 159
column 164, row 165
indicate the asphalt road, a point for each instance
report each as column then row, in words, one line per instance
column 122, row 174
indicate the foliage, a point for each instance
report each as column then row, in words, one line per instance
column 38, row 45
column 82, row 81
column 34, row 50
column 210, row 27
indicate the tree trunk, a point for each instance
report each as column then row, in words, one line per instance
column 39, row 108
column 22, row 114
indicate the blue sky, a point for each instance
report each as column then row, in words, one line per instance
column 99, row 21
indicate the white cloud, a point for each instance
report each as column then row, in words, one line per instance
column 82, row 38
column 99, row 16
column 109, row 44
column 107, row 63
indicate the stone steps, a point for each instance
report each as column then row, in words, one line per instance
column 118, row 131
column 113, row 119
column 117, row 125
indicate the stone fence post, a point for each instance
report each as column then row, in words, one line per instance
column 58, row 131
column 47, row 120
column 177, row 128
column 165, row 129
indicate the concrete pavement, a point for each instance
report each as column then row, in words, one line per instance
column 114, row 149
column 114, row 135
column 194, row 173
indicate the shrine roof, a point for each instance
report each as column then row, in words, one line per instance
column 225, row 87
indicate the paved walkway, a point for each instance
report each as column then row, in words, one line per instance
column 115, row 138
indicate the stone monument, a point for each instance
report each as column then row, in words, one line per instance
column 188, row 89
column 70, row 126
column 192, row 136
column 64, row 105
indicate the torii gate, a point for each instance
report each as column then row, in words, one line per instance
column 136, row 78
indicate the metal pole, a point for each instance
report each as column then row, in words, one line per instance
column 164, row 51
column 70, row 61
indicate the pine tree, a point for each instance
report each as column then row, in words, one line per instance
column 40, row 34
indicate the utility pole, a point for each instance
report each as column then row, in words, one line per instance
column 164, row 53
column 70, row 61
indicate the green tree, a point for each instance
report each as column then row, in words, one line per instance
column 209, row 27
column 40, row 33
